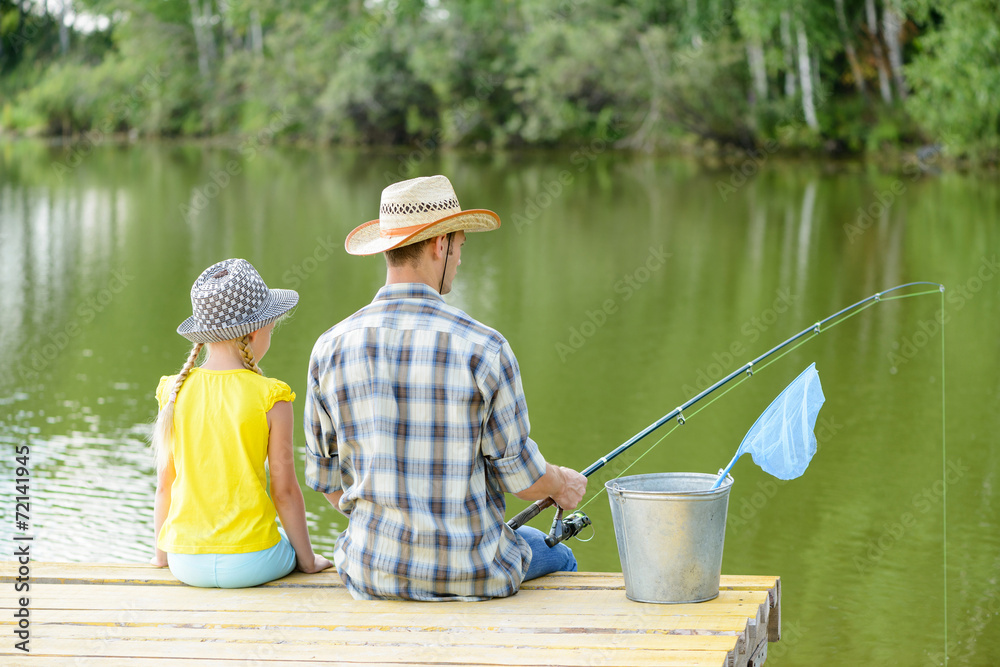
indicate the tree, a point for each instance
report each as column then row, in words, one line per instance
column 955, row 78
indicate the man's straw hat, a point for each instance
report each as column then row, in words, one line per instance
column 230, row 300
column 414, row 210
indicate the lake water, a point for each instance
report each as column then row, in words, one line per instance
column 624, row 284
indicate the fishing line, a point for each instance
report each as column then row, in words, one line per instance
column 693, row 414
column 815, row 332
column 571, row 525
column 944, row 489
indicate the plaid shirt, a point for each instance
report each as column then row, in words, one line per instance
column 416, row 411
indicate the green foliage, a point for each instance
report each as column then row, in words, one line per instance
column 956, row 79
column 646, row 73
column 21, row 119
column 567, row 74
column 375, row 95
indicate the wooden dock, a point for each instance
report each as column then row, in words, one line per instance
column 86, row 614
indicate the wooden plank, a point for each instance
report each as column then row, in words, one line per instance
column 412, row 622
column 53, row 605
column 47, row 633
column 141, row 573
column 172, row 661
column 37, row 660
column 104, row 614
column 604, row 603
column 744, row 582
column 136, row 573
column 350, row 654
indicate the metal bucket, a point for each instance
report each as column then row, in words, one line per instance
column 670, row 529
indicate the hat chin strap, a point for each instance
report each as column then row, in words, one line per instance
column 445, row 270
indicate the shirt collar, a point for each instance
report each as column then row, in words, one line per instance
column 407, row 291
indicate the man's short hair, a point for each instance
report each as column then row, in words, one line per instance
column 408, row 253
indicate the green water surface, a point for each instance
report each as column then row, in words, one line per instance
column 624, row 285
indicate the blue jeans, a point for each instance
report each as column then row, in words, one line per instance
column 234, row 570
column 545, row 560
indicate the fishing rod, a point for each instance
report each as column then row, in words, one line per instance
column 564, row 528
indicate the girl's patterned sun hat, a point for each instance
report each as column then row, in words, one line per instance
column 414, row 210
column 230, row 300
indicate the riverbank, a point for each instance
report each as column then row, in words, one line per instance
column 738, row 164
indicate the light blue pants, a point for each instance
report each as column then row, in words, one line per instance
column 234, row 570
column 546, row 560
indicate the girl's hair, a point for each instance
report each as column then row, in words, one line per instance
column 163, row 430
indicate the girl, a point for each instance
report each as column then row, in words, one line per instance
column 213, row 522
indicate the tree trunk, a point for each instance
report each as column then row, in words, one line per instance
column 227, row 29
column 755, row 58
column 805, row 78
column 852, row 56
column 892, row 28
column 256, row 33
column 207, row 33
column 196, row 24
column 693, row 18
column 786, row 47
column 883, row 76
column 63, row 28
column 818, row 95
column 643, row 139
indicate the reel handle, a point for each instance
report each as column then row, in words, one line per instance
column 529, row 513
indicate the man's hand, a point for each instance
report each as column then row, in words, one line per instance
column 573, row 487
column 566, row 487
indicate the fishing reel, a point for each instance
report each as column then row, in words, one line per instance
column 563, row 529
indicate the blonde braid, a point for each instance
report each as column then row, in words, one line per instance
column 247, row 353
column 163, row 430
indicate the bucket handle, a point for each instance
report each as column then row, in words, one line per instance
column 619, row 496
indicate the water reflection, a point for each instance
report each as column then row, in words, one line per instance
column 95, row 268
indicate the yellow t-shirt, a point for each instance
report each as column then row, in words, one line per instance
column 219, row 501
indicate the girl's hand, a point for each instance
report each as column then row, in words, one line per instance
column 158, row 561
column 318, row 565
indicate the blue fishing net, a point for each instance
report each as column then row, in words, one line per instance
column 782, row 441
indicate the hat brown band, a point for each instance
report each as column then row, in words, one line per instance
column 400, row 231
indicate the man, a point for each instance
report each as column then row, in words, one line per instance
column 416, row 422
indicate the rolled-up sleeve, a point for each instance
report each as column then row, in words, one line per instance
column 322, row 459
column 508, row 449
